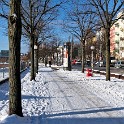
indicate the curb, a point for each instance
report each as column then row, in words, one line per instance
column 119, row 76
column 116, row 75
column 4, row 80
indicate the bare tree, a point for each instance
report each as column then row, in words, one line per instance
column 80, row 25
column 14, row 34
column 4, row 8
column 4, row 11
column 106, row 10
column 15, row 27
column 35, row 18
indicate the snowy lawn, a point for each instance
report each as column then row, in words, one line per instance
column 66, row 97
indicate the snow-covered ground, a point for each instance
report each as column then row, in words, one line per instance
column 66, row 97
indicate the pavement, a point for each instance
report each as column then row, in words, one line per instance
column 59, row 96
column 77, row 99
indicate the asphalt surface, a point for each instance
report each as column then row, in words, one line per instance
column 112, row 69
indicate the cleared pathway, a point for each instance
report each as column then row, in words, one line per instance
column 73, row 101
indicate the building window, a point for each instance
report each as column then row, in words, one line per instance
column 117, row 41
column 117, row 25
column 117, row 33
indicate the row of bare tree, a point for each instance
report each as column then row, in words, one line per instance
column 85, row 17
column 31, row 18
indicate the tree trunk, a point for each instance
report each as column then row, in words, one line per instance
column 32, row 58
column 83, row 54
column 36, row 60
column 14, row 24
column 57, row 57
column 107, row 54
column 37, row 56
column 69, row 59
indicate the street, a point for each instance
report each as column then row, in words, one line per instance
column 112, row 69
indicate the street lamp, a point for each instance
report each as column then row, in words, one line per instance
column 59, row 55
column 66, row 59
column 35, row 58
column 92, row 48
column 35, row 47
column 99, row 38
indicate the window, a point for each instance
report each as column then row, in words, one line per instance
column 117, row 25
column 117, row 33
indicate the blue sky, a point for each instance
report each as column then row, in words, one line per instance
column 3, row 37
column 64, row 36
column 4, row 42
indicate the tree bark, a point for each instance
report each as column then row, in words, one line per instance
column 32, row 58
column 107, row 54
column 83, row 54
column 69, row 59
column 37, row 56
column 36, row 60
column 15, row 28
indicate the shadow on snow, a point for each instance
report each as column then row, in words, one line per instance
column 65, row 118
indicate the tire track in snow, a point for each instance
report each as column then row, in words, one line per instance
column 87, row 101
column 85, row 95
column 95, row 99
column 91, row 102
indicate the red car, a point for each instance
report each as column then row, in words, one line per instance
column 73, row 62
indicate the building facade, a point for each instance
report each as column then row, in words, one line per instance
column 117, row 38
column 4, row 56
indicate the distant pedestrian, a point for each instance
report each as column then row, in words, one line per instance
column 50, row 63
column 46, row 61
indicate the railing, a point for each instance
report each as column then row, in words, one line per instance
column 4, row 71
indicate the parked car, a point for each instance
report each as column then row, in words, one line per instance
column 78, row 62
column 73, row 62
column 88, row 63
column 100, row 64
column 119, row 64
column 113, row 61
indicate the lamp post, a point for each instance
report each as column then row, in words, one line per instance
column 35, row 58
column 100, row 51
column 59, row 55
column 35, row 47
column 66, row 59
column 99, row 38
column 92, row 48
